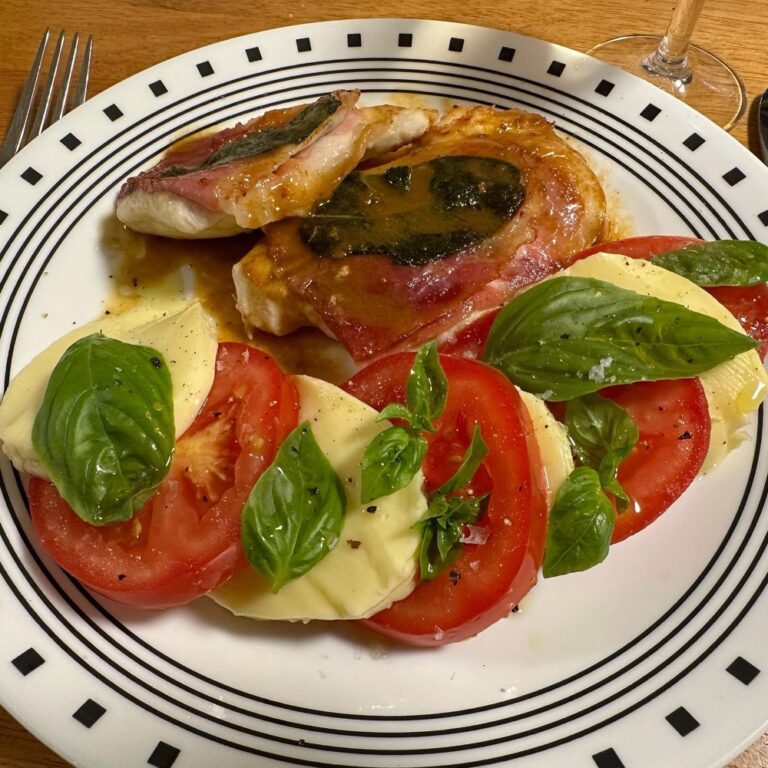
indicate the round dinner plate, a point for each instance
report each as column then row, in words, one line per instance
column 657, row 657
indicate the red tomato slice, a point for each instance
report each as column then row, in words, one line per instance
column 186, row 540
column 750, row 307
column 469, row 341
column 673, row 421
column 640, row 247
column 487, row 580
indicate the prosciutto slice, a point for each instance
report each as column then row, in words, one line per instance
column 373, row 305
column 244, row 177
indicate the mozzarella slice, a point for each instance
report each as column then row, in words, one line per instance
column 734, row 388
column 181, row 330
column 554, row 448
column 375, row 561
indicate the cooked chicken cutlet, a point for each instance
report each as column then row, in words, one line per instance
column 401, row 252
column 277, row 165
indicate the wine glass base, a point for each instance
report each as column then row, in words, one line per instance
column 712, row 87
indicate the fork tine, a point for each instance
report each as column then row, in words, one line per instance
column 85, row 70
column 47, row 93
column 17, row 128
column 61, row 100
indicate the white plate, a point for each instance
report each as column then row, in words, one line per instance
column 655, row 658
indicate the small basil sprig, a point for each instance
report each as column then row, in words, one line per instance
column 602, row 435
column 294, row 515
column 442, row 527
column 105, row 431
column 395, row 455
column 580, row 525
column 568, row 336
column 722, row 262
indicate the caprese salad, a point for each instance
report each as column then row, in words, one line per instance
column 425, row 495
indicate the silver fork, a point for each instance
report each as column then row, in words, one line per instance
column 19, row 132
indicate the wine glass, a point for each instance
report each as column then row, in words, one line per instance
column 672, row 63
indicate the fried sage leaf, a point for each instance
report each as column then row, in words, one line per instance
column 416, row 214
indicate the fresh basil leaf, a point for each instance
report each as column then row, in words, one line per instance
column 612, row 486
column 396, row 411
column 427, row 388
column 602, row 435
column 298, row 128
column 442, row 529
column 568, row 336
column 580, row 525
column 473, row 458
column 105, row 431
column 390, row 462
column 722, row 262
column 598, row 427
column 294, row 514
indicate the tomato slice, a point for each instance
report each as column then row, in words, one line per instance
column 469, row 342
column 750, row 307
column 672, row 418
column 186, row 540
column 487, row 580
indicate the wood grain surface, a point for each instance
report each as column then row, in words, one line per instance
column 134, row 34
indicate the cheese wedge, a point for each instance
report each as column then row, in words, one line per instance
column 181, row 330
column 554, row 448
column 734, row 388
column 375, row 560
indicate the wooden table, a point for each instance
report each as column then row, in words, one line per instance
column 135, row 34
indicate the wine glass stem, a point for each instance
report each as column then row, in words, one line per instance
column 670, row 59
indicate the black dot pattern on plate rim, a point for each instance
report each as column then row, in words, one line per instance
column 253, row 54
column 113, row 112
column 682, row 721
column 158, row 88
column 354, row 40
column 604, row 87
column 607, row 759
column 734, row 176
column 303, row 44
column 3, row 216
column 456, row 44
column 31, row 176
column 28, row 661
column 204, row 68
column 163, row 756
column 650, row 112
column 744, row 671
column 693, row 142
column 506, row 53
column 405, row 40
column 70, row 141
column 556, row 68
column 763, row 216
column 88, row 713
